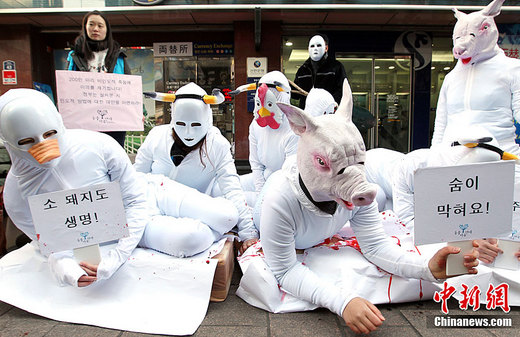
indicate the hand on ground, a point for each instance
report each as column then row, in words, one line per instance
column 362, row 316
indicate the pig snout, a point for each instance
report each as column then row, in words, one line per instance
column 365, row 196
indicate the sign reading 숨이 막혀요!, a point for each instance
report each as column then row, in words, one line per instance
column 80, row 217
column 100, row 101
column 465, row 202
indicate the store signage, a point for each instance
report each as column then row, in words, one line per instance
column 417, row 43
column 212, row 49
column 256, row 66
column 9, row 73
column 178, row 49
column 148, row 2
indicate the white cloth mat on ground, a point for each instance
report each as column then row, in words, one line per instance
column 150, row 293
column 339, row 261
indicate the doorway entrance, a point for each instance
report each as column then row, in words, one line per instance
column 382, row 89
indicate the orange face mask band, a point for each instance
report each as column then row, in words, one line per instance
column 45, row 151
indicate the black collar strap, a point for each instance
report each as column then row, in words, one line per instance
column 328, row 207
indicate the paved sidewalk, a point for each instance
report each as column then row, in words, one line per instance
column 234, row 317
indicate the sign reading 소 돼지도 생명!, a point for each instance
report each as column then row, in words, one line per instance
column 80, row 217
column 463, row 202
column 100, row 101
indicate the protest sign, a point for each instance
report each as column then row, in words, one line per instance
column 463, row 202
column 78, row 217
column 100, row 101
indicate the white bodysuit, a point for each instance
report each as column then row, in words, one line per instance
column 87, row 158
column 268, row 149
column 290, row 221
column 217, row 178
column 486, row 93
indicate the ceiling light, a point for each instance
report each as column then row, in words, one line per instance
column 377, row 67
column 391, row 67
column 288, row 43
column 446, row 68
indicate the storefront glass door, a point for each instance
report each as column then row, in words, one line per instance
column 209, row 73
column 381, row 88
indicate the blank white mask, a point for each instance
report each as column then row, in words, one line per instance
column 317, row 48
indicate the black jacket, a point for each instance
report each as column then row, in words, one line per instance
column 110, row 61
column 329, row 76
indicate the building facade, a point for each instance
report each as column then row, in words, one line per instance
column 396, row 53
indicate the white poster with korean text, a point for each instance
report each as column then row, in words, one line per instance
column 78, row 217
column 463, row 202
column 100, row 101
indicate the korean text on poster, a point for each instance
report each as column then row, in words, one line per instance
column 79, row 217
column 100, row 101
column 463, row 202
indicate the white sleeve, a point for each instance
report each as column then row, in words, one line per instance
column 377, row 247
column 133, row 192
column 291, row 144
column 515, row 90
column 441, row 114
column 256, row 166
column 17, row 207
column 277, row 231
column 144, row 157
column 65, row 268
column 229, row 183
column 403, row 191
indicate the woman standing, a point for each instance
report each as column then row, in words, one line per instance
column 96, row 51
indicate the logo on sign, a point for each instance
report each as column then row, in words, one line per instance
column 84, row 237
column 257, row 64
column 464, row 229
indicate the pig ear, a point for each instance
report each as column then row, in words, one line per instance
column 493, row 9
column 299, row 120
column 345, row 106
column 458, row 14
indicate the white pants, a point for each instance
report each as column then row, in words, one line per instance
column 248, row 186
column 184, row 222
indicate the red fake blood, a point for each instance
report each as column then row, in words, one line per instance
column 38, row 237
column 389, row 286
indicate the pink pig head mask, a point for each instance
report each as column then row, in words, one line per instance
column 331, row 154
column 475, row 35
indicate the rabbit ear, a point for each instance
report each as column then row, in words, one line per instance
column 299, row 120
column 458, row 14
column 493, row 9
column 345, row 105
